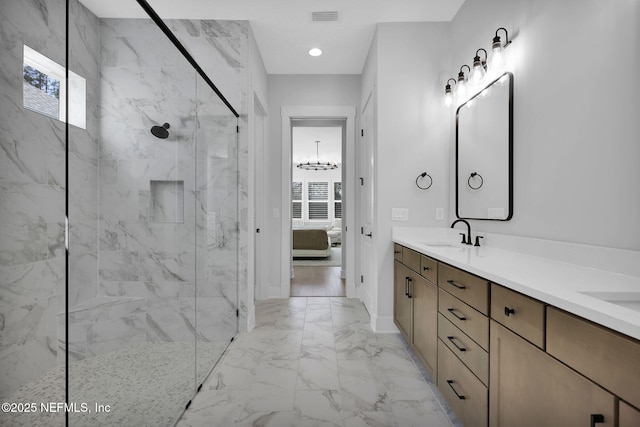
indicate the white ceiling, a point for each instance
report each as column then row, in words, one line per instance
column 304, row 146
column 284, row 31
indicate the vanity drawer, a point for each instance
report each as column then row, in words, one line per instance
column 466, row 395
column 397, row 252
column 467, row 350
column 429, row 268
column 471, row 289
column 411, row 259
column 609, row 359
column 467, row 319
column 521, row 314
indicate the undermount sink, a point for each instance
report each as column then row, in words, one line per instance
column 630, row 300
column 439, row 243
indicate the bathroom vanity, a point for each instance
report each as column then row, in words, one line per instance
column 515, row 338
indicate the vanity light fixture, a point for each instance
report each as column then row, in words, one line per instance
column 479, row 68
column 461, row 86
column 448, row 95
column 315, row 52
column 497, row 60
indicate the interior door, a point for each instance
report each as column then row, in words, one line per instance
column 367, row 168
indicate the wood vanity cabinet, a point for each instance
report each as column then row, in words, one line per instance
column 416, row 306
column 606, row 357
column 504, row 359
column 425, row 323
column 529, row 388
column 402, row 304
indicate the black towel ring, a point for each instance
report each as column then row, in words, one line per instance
column 422, row 175
column 473, row 175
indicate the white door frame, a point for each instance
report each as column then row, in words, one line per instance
column 347, row 113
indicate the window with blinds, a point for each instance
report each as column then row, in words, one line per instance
column 296, row 200
column 337, row 200
column 318, row 204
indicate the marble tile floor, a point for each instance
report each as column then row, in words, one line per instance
column 316, row 362
column 145, row 384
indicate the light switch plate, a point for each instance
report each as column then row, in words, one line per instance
column 399, row 214
column 439, row 214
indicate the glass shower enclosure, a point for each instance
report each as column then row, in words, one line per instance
column 118, row 217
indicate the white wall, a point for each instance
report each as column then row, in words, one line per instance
column 257, row 95
column 576, row 106
column 293, row 90
column 412, row 136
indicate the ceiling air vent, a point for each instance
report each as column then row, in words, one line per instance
column 325, row 16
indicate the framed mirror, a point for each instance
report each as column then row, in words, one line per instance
column 484, row 153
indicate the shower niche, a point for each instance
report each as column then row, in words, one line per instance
column 167, row 201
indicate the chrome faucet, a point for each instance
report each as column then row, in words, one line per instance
column 468, row 240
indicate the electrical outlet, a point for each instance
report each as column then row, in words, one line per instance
column 276, row 213
column 440, row 214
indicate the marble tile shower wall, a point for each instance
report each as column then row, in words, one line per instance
column 145, row 83
column 221, row 48
column 32, row 191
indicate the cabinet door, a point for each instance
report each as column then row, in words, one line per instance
column 529, row 388
column 401, row 301
column 629, row 416
column 425, row 322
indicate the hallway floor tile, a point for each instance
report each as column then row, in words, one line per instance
column 316, row 362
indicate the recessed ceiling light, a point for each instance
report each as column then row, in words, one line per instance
column 315, row 52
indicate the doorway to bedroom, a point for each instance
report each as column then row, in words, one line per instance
column 317, row 207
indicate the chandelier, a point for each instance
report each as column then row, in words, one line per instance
column 317, row 165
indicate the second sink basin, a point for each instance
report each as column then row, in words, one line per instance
column 629, row 300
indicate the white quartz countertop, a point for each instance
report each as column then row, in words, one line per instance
column 608, row 298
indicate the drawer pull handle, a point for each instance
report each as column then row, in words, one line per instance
column 454, row 284
column 406, row 286
column 509, row 311
column 461, row 397
column 410, row 294
column 452, row 311
column 596, row 419
column 456, row 345
column 397, row 252
column 425, row 268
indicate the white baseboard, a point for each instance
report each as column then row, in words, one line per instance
column 270, row 292
column 383, row 325
column 251, row 318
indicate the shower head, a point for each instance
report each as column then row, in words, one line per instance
column 161, row 131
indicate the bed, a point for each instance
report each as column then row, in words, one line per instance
column 311, row 243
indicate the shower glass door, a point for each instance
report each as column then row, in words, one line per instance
column 217, row 233
column 132, row 216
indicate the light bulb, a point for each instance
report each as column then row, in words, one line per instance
column 479, row 68
column 448, row 99
column 498, row 61
column 461, row 90
column 477, row 74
